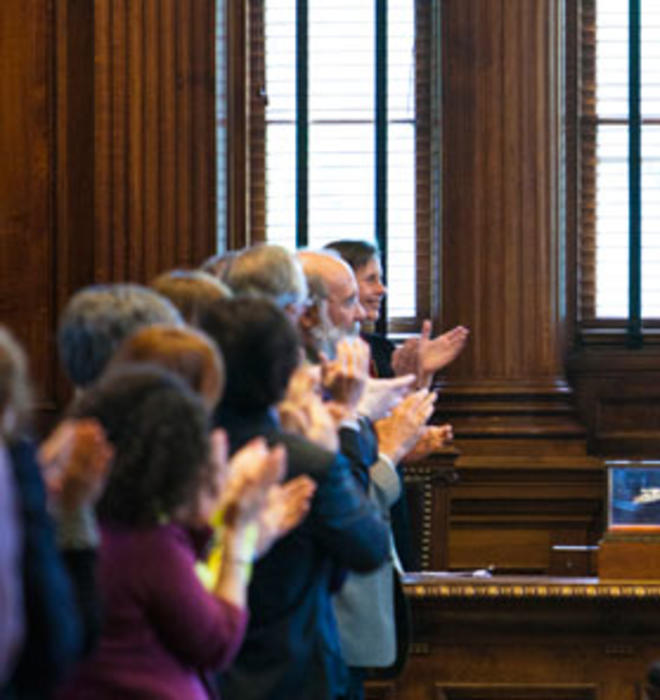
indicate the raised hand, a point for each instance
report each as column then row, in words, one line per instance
column 432, row 439
column 251, row 473
column 303, row 412
column 405, row 358
column 75, row 460
column 345, row 377
column 436, row 353
column 286, row 506
column 382, row 395
column 399, row 432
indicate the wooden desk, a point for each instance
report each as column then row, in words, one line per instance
column 527, row 638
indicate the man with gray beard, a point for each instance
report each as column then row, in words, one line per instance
column 364, row 606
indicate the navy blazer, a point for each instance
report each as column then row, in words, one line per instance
column 291, row 649
column 53, row 639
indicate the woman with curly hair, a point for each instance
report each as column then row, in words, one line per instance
column 162, row 630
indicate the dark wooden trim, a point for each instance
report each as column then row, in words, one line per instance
column 238, row 89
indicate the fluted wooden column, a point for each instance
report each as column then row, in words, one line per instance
column 525, row 480
column 501, row 157
column 502, row 233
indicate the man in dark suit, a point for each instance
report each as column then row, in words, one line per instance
column 291, row 648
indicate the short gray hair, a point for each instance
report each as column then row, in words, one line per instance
column 98, row 318
column 269, row 270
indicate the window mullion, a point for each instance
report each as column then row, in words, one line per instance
column 634, row 175
column 302, row 124
column 381, row 144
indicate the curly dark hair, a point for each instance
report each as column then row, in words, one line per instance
column 159, row 430
column 260, row 347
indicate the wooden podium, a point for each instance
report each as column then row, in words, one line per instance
column 630, row 553
column 526, row 638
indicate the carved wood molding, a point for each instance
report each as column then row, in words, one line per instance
column 429, row 586
column 427, row 485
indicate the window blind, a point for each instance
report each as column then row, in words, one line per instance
column 341, row 132
column 604, row 254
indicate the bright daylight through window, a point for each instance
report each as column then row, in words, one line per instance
column 339, row 165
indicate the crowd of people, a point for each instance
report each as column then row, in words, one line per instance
column 220, row 511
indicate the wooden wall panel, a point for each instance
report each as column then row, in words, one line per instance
column 154, row 169
column 107, row 138
column 26, row 184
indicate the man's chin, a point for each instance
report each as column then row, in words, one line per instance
column 372, row 314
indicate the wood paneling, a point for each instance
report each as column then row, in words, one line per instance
column 508, row 512
column 154, row 164
column 506, row 691
column 27, row 184
column 524, row 638
column 618, row 393
column 107, row 137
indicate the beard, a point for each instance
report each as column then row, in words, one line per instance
column 326, row 336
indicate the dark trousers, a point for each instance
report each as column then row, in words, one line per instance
column 356, row 678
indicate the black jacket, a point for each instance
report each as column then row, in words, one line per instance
column 291, row 648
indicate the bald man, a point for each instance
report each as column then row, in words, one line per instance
column 364, row 607
column 335, row 311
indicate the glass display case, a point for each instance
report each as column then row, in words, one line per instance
column 633, row 490
column 630, row 548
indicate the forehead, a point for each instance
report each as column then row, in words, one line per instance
column 371, row 268
column 342, row 282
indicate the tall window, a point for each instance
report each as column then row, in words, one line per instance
column 340, row 132
column 620, row 154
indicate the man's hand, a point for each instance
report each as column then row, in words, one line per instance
column 345, row 377
column 436, row 353
column 303, row 412
column 425, row 356
column 382, row 395
column 285, row 508
column 399, row 432
column 251, row 473
column 432, row 439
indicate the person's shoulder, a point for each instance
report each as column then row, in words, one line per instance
column 381, row 353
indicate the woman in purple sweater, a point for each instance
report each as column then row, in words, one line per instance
column 162, row 630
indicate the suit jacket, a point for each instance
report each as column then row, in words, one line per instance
column 365, row 605
column 291, row 649
column 381, row 367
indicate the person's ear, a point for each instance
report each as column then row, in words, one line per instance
column 310, row 317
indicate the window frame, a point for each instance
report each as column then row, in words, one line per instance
column 428, row 157
column 581, row 123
